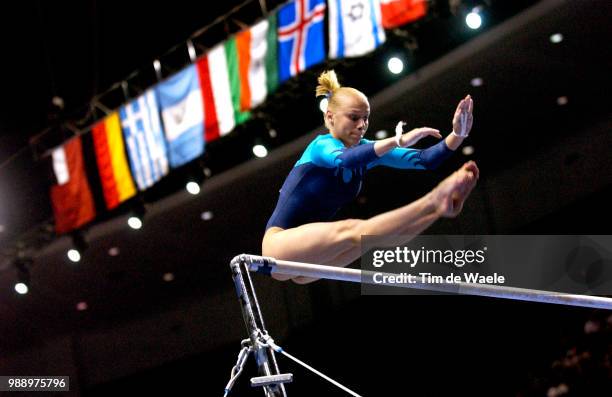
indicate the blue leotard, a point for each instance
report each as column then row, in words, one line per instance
column 329, row 175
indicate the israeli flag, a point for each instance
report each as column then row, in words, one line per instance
column 355, row 27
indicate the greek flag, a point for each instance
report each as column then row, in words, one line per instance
column 144, row 137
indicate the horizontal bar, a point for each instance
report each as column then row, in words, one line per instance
column 268, row 265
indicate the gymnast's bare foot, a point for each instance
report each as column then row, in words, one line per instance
column 450, row 195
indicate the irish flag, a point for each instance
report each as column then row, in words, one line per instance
column 236, row 76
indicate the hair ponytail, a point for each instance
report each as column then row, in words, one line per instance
column 328, row 83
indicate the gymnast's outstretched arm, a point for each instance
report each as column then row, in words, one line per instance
column 400, row 155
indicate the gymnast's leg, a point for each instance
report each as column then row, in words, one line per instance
column 339, row 243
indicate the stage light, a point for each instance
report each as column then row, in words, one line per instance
column 260, row 151
column 193, row 187
column 21, row 288
column 206, row 215
column 395, row 65
column 382, row 134
column 556, row 38
column 467, row 150
column 134, row 222
column 22, row 265
column 74, row 255
column 476, row 82
column 473, row 20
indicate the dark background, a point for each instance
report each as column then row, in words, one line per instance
column 545, row 170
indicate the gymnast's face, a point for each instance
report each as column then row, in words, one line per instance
column 347, row 116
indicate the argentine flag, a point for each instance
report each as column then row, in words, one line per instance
column 182, row 112
column 355, row 27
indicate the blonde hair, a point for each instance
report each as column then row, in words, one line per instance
column 328, row 83
column 331, row 88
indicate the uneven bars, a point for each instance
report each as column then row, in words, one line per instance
column 268, row 265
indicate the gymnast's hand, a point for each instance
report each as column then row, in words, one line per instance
column 450, row 195
column 463, row 118
column 411, row 137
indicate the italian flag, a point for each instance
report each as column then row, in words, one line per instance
column 115, row 176
column 236, row 76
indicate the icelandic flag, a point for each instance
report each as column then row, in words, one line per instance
column 355, row 27
column 144, row 137
column 300, row 36
column 182, row 111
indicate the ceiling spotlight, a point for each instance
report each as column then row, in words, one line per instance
column 323, row 104
column 467, row 150
column 74, row 255
column 562, row 101
column 207, row 172
column 260, row 151
column 395, row 65
column 23, row 275
column 167, row 277
column 21, row 288
column 193, row 188
column 81, row 306
column 58, row 102
column 473, row 19
column 134, row 222
column 272, row 132
column 556, row 38
column 206, row 215
column 113, row 251
column 382, row 134
column 476, row 82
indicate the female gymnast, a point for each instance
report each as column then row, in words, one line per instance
column 330, row 172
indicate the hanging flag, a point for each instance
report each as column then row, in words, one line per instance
column 400, row 12
column 115, row 176
column 240, row 90
column 300, row 36
column 216, row 94
column 355, row 27
column 211, row 123
column 71, row 198
column 182, row 112
column 144, row 138
column 271, row 59
column 249, row 68
column 256, row 54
